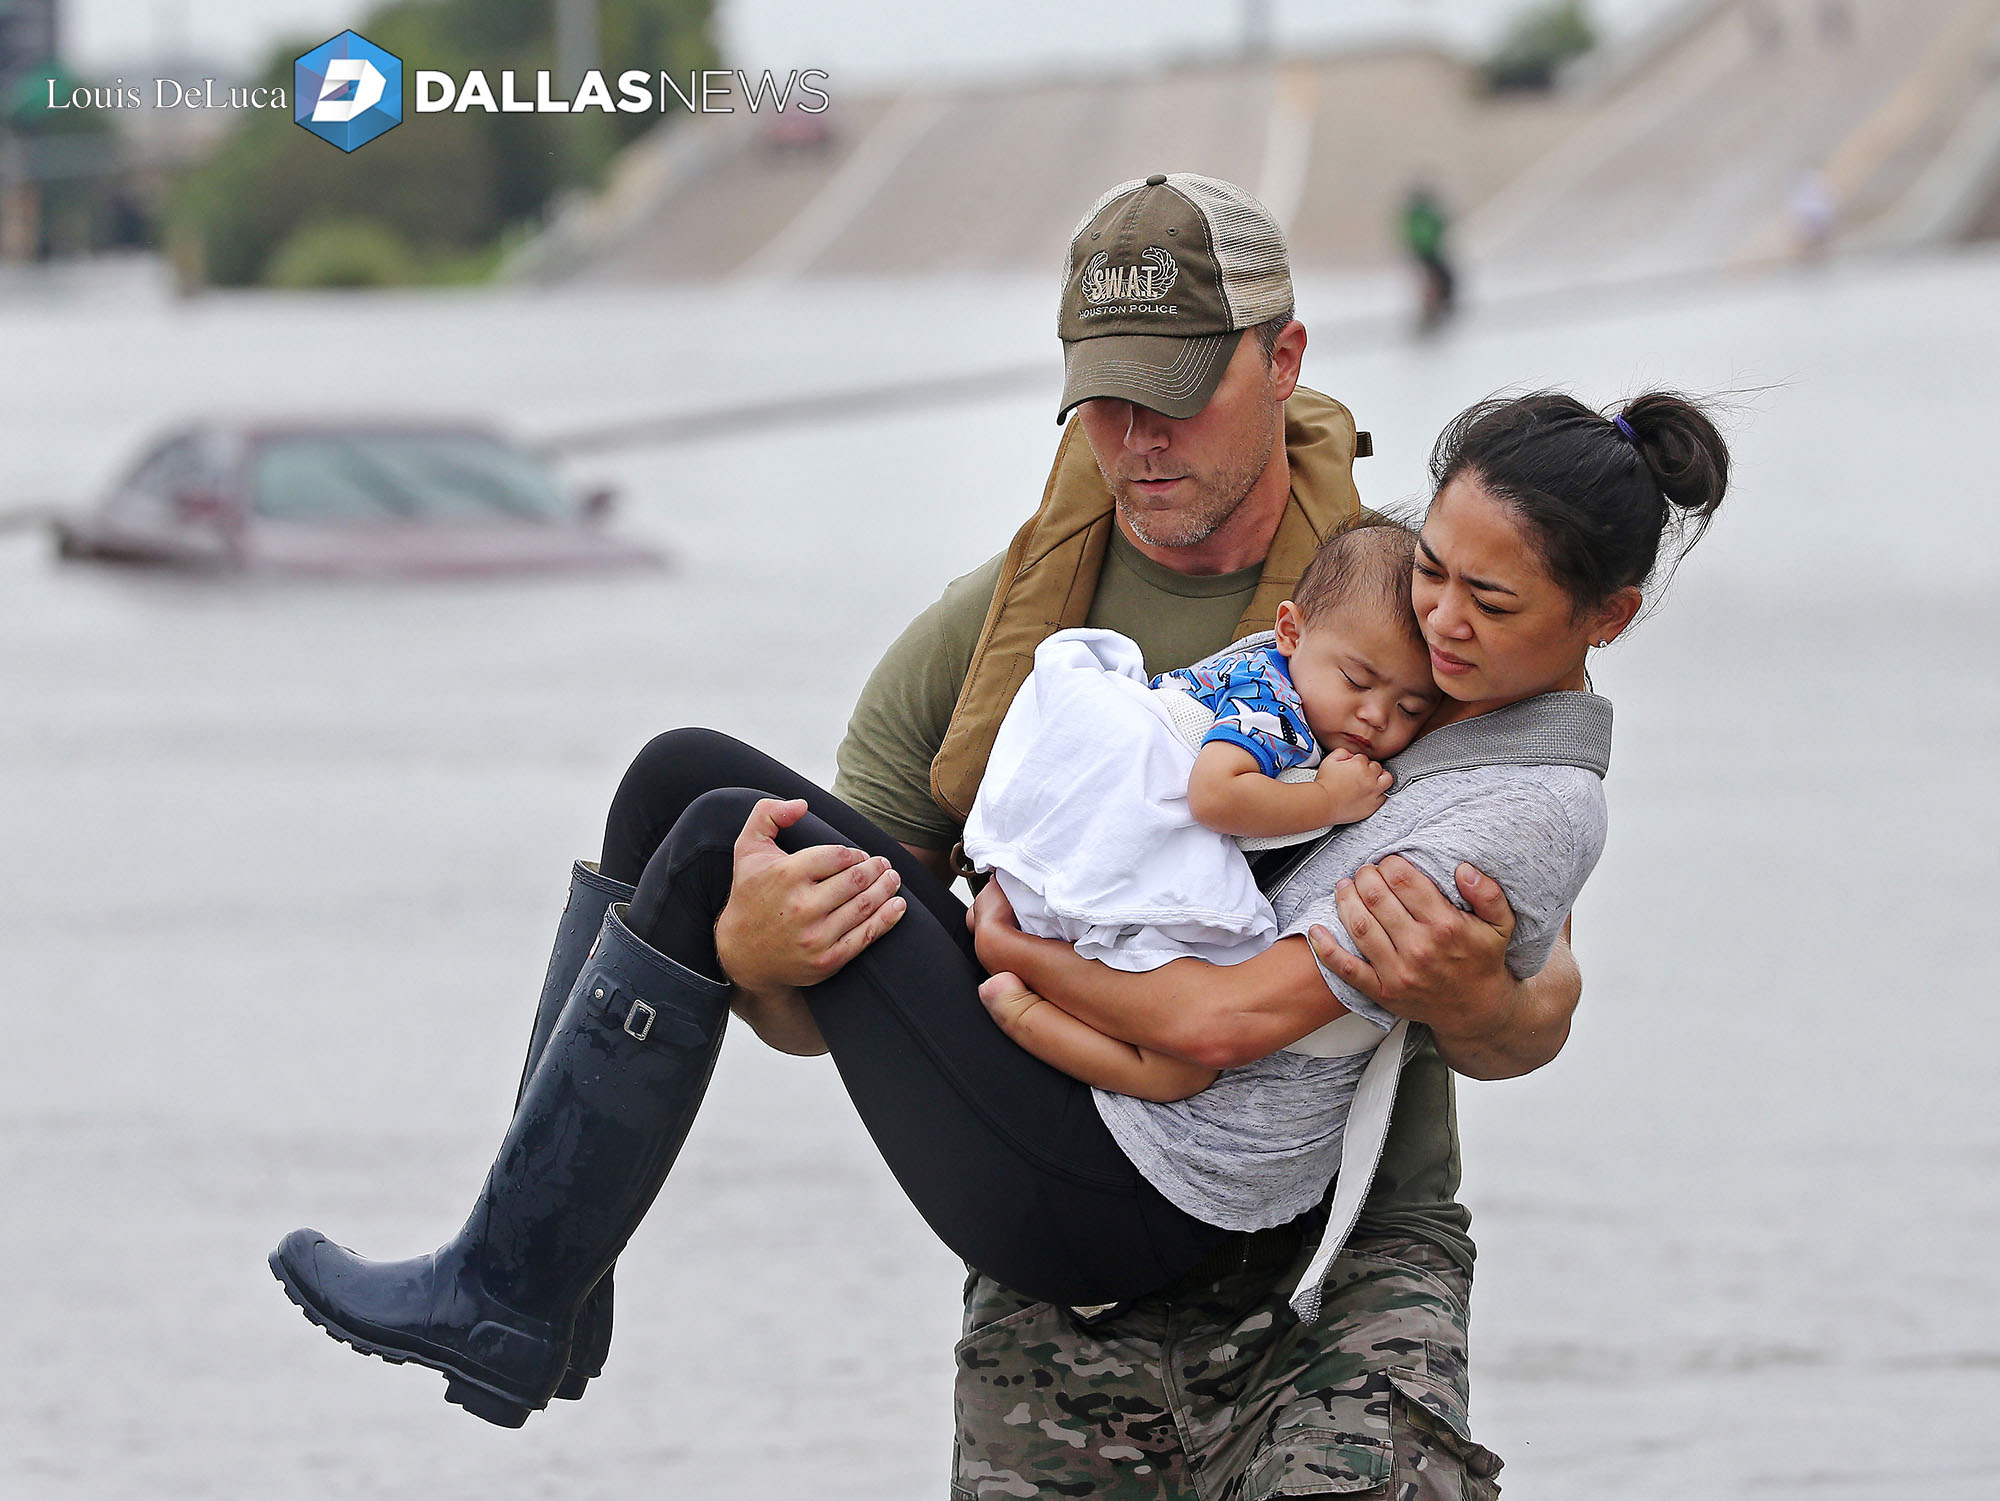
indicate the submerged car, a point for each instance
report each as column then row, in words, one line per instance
column 353, row 497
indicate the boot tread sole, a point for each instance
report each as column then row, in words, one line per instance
column 476, row 1397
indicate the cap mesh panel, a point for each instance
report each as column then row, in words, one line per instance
column 1249, row 246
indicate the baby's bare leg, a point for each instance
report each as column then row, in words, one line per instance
column 1062, row 1041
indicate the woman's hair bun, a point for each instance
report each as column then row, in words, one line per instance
column 1601, row 496
column 1683, row 450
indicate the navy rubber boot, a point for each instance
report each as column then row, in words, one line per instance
column 591, row 894
column 598, row 1126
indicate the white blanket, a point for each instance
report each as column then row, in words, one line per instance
column 1083, row 818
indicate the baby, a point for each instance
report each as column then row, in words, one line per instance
column 1344, row 685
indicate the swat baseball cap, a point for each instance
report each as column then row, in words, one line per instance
column 1164, row 274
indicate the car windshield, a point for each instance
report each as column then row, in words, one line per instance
column 399, row 476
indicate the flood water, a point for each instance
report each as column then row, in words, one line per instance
column 283, row 861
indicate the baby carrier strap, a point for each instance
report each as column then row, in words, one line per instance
column 1551, row 729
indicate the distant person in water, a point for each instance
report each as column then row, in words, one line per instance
column 1425, row 224
column 1814, row 214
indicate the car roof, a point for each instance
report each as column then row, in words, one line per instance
column 228, row 440
column 235, row 431
column 255, row 429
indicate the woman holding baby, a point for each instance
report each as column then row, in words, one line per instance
column 1547, row 522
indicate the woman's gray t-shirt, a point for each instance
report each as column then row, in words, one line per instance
column 1259, row 1146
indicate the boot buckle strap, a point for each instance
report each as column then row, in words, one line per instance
column 639, row 1020
column 643, row 1020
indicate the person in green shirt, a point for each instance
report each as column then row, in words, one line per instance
column 1424, row 225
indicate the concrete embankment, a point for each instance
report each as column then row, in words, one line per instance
column 1695, row 148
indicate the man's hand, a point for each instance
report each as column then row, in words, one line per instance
column 1355, row 786
column 793, row 920
column 1424, row 959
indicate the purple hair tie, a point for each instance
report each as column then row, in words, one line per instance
column 1625, row 427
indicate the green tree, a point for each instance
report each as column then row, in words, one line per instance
column 69, row 153
column 443, row 186
column 1538, row 43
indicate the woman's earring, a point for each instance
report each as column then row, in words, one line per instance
column 1605, row 642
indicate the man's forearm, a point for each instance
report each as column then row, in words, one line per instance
column 1524, row 1028
column 937, row 862
column 780, row 1018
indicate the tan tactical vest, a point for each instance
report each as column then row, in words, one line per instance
column 1050, row 573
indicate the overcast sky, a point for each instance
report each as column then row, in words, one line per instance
column 864, row 41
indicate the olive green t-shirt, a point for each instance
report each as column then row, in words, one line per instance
column 899, row 723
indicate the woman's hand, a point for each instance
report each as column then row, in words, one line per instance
column 1425, row 959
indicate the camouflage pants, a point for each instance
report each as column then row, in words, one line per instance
column 1214, row 1390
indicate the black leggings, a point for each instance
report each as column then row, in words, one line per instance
column 1004, row 1156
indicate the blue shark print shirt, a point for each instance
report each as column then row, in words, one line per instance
column 1255, row 706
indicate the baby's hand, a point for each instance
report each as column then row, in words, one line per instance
column 1355, row 785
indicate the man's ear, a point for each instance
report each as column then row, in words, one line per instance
column 1287, row 356
column 1289, row 626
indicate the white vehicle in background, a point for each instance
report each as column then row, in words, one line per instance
column 348, row 497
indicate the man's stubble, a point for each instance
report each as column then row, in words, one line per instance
column 1218, row 493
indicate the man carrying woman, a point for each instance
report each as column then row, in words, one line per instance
column 1173, row 1348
